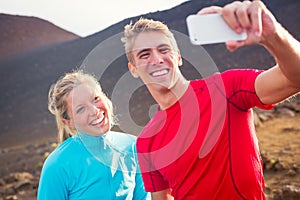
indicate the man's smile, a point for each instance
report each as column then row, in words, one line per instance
column 160, row 73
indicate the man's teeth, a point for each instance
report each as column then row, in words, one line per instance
column 160, row 73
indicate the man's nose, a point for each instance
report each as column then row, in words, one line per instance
column 156, row 58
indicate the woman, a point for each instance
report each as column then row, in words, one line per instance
column 92, row 162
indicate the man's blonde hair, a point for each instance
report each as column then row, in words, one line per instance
column 131, row 31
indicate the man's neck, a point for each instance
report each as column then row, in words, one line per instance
column 166, row 97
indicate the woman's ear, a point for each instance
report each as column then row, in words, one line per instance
column 68, row 122
column 132, row 70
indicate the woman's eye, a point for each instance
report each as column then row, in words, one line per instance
column 97, row 98
column 80, row 109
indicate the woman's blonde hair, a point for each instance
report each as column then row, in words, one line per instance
column 57, row 99
column 131, row 31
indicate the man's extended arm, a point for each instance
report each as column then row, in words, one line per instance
column 282, row 80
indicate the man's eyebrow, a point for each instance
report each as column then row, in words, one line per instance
column 149, row 48
column 142, row 51
column 163, row 45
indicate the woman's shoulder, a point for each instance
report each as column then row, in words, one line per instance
column 65, row 151
column 122, row 141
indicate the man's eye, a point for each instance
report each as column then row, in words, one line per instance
column 144, row 55
column 164, row 50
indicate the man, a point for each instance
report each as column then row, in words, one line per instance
column 201, row 143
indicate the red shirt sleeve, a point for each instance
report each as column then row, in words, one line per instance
column 241, row 90
column 153, row 180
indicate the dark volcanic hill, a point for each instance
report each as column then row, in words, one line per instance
column 20, row 33
column 27, row 76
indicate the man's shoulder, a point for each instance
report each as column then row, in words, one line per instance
column 226, row 75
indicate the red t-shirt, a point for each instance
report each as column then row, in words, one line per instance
column 205, row 146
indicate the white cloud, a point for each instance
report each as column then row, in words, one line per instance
column 84, row 17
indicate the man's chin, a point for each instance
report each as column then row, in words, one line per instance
column 158, row 86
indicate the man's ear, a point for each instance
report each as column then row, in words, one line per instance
column 179, row 59
column 132, row 70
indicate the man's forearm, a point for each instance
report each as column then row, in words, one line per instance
column 286, row 51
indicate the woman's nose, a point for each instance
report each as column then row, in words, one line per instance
column 94, row 110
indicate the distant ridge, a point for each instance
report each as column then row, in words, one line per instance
column 22, row 33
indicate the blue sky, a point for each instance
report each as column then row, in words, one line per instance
column 84, row 17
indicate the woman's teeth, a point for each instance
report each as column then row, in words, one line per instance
column 98, row 121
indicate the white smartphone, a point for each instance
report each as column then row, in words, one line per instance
column 210, row 29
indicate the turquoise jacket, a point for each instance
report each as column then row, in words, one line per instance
column 93, row 168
